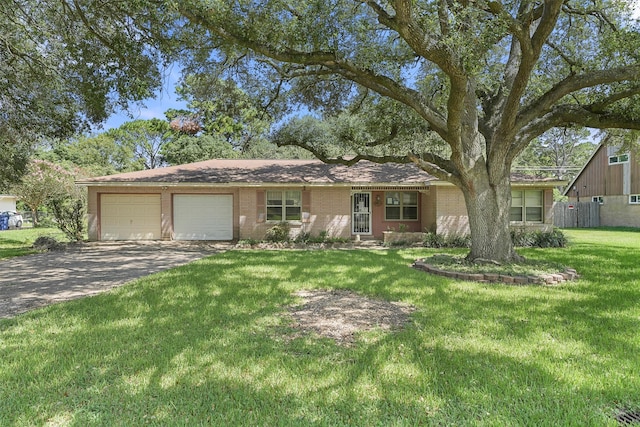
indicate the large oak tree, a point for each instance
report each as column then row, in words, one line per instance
column 459, row 88
column 486, row 77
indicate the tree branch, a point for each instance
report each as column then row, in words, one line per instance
column 599, row 14
column 570, row 115
column 573, row 64
column 601, row 105
column 436, row 166
column 341, row 160
column 434, row 51
column 329, row 62
column 529, row 54
column 573, row 84
column 422, row 43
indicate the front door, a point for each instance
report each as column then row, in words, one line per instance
column 361, row 213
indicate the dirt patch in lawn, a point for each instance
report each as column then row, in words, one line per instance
column 341, row 314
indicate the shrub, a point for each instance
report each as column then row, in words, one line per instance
column 322, row 237
column 459, row 241
column 70, row 212
column 539, row 239
column 47, row 243
column 303, row 237
column 519, row 236
column 433, row 240
column 552, row 239
column 278, row 233
column 248, row 242
column 522, row 238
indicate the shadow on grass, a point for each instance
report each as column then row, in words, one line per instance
column 15, row 252
column 207, row 344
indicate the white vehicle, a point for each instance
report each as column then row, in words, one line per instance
column 15, row 219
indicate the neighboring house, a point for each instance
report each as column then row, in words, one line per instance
column 612, row 178
column 7, row 203
column 242, row 199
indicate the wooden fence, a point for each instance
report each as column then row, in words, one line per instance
column 576, row 214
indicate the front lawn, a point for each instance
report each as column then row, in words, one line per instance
column 19, row 242
column 210, row 344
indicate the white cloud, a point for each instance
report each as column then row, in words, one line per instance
column 635, row 6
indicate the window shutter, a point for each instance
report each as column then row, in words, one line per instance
column 306, row 206
column 260, row 206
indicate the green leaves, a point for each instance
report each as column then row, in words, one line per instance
column 145, row 140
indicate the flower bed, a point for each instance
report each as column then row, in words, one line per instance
column 539, row 279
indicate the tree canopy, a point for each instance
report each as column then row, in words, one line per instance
column 482, row 78
column 559, row 152
column 222, row 120
column 65, row 65
column 460, row 88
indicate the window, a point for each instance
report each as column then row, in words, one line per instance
column 598, row 199
column 526, row 206
column 634, row 199
column 401, row 205
column 620, row 158
column 284, row 205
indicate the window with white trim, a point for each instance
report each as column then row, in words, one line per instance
column 634, row 199
column 526, row 206
column 619, row 158
column 401, row 206
column 598, row 199
column 284, row 205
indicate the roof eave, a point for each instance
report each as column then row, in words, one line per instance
column 537, row 184
column 244, row 184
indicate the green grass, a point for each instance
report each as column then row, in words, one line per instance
column 19, row 242
column 207, row 344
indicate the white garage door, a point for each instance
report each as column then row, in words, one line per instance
column 203, row 217
column 130, row 217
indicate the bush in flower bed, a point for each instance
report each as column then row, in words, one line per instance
column 520, row 237
column 539, row 239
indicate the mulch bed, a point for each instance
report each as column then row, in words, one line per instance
column 342, row 314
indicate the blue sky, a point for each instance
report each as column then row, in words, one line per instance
column 152, row 108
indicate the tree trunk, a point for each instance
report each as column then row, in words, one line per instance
column 34, row 218
column 488, row 205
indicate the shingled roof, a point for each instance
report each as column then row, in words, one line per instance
column 255, row 172
column 273, row 172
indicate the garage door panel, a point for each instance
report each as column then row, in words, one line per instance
column 130, row 217
column 203, row 217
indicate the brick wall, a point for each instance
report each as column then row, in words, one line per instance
column 429, row 210
column 330, row 211
column 451, row 212
column 617, row 212
column 442, row 210
column 451, row 216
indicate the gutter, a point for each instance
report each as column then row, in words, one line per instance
column 245, row 184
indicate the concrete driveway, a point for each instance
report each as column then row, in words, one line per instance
column 86, row 269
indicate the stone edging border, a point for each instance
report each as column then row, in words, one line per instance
column 543, row 279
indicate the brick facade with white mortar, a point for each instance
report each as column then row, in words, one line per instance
column 326, row 192
column 442, row 210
